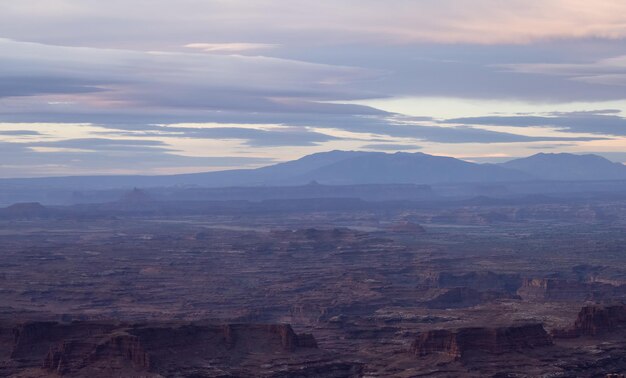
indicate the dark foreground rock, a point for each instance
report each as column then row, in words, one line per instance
column 100, row 349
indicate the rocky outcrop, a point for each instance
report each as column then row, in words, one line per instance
column 595, row 320
column 25, row 211
column 553, row 289
column 76, row 354
column 120, row 349
column 461, row 342
column 33, row 340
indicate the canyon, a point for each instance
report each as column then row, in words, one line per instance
column 331, row 287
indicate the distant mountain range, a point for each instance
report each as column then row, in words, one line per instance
column 568, row 167
column 357, row 167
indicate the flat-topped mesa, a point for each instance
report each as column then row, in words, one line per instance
column 555, row 290
column 595, row 320
column 81, row 347
column 459, row 343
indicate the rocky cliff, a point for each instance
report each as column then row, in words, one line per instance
column 595, row 320
column 461, row 342
column 118, row 349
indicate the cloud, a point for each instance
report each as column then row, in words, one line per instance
column 322, row 22
column 122, row 78
column 253, row 137
column 103, row 144
column 19, row 132
column 391, row 147
column 63, row 158
column 610, row 71
column 230, row 48
column 22, row 84
column 592, row 123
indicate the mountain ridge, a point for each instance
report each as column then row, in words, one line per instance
column 360, row 167
column 568, row 167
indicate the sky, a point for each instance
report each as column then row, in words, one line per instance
column 91, row 87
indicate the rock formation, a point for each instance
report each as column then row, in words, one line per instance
column 87, row 348
column 595, row 320
column 459, row 343
column 25, row 211
column 75, row 354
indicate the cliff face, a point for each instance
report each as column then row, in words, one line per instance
column 566, row 290
column 220, row 338
column 458, row 343
column 595, row 320
column 32, row 340
column 121, row 349
column 74, row 355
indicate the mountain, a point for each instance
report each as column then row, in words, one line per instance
column 342, row 168
column 334, row 167
column 405, row 168
column 568, row 167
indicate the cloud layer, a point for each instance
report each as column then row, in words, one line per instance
column 151, row 86
column 325, row 21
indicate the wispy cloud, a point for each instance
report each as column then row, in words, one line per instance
column 230, row 48
column 611, row 71
column 397, row 21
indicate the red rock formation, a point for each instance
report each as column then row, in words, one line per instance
column 78, row 347
column 32, row 340
column 434, row 342
column 73, row 355
column 595, row 320
column 556, row 290
column 458, row 343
